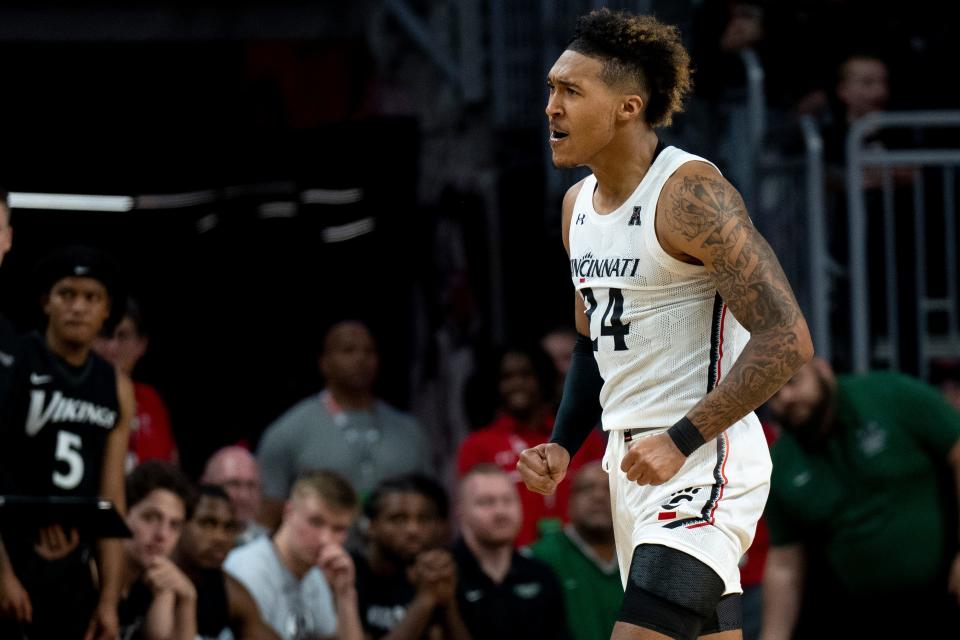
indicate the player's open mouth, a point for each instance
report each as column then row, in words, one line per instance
column 556, row 135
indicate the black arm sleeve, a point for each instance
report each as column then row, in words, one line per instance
column 580, row 407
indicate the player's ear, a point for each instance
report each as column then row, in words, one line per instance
column 631, row 107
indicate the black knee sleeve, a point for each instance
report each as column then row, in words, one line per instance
column 727, row 616
column 670, row 592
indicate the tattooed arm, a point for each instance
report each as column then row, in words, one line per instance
column 701, row 218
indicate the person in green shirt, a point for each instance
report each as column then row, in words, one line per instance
column 583, row 556
column 862, row 505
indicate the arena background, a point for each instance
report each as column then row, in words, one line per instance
column 292, row 164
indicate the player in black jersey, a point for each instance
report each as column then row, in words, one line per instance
column 63, row 432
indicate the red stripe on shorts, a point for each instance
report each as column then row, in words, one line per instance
column 723, row 317
column 723, row 474
column 723, row 483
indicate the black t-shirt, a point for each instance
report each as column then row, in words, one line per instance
column 132, row 611
column 382, row 600
column 213, row 606
column 527, row 604
column 55, row 423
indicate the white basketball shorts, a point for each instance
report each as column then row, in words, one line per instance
column 709, row 509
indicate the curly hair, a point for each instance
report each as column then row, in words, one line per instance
column 154, row 474
column 638, row 50
column 416, row 483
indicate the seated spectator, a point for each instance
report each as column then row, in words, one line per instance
column 302, row 579
column 158, row 601
column 524, row 421
column 406, row 581
column 222, row 602
column 584, row 557
column 863, row 493
column 344, row 428
column 502, row 594
column 151, row 437
column 235, row 469
column 64, row 421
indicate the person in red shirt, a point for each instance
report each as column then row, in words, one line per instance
column 525, row 419
column 151, row 437
column 752, row 565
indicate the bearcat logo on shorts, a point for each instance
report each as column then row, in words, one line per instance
column 676, row 498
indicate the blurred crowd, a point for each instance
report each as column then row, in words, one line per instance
column 340, row 524
column 349, row 518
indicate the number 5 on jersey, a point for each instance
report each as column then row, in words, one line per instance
column 68, row 451
column 616, row 328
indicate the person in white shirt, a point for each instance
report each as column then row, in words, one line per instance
column 302, row 579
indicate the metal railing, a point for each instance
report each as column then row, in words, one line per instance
column 919, row 162
column 818, row 254
column 755, row 114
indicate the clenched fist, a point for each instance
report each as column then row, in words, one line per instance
column 652, row 460
column 163, row 575
column 543, row 467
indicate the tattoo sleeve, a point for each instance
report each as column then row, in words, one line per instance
column 707, row 217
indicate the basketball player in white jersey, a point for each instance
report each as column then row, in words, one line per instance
column 686, row 324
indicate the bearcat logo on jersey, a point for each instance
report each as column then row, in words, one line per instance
column 590, row 267
column 63, row 409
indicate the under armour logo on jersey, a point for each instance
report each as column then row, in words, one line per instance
column 635, row 217
column 581, row 218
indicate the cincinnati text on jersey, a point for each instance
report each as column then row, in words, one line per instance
column 590, row 267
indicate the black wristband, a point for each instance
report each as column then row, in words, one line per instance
column 686, row 436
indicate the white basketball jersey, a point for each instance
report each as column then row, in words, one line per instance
column 661, row 333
